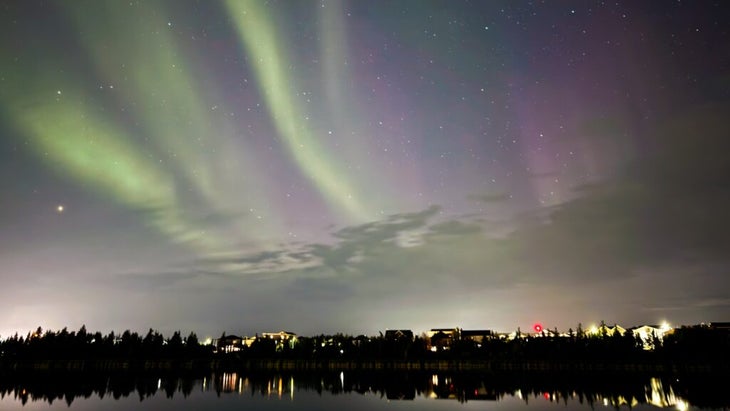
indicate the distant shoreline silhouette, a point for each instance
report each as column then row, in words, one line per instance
column 687, row 349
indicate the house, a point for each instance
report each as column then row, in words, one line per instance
column 477, row 336
column 440, row 339
column 453, row 332
column 282, row 338
column 279, row 336
column 648, row 333
column 606, row 330
column 397, row 335
column 720, row 326
column 228, row 343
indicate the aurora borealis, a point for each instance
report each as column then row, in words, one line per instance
column 323, row 166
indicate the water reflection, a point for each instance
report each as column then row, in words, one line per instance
column 275, row 386
column 603, row 389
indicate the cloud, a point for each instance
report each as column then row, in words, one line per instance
column 159, row 281
column 454, row 228
column 546, row 174
column 320, row 289
column 653, row 238
column 662, row 209
column 489, row 197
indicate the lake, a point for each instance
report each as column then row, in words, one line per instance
column 357, row 390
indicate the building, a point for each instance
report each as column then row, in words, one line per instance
column 650, row 333
column 453, row 332
column 721, row 326
column 440, row 339
column 228, row 343
column 396, row 335
column 606, row 330
column 478, row 336
column 282, row 338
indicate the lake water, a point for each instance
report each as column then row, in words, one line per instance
column 357, row 391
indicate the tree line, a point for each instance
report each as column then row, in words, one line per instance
column 687, row 344
column 81, row 344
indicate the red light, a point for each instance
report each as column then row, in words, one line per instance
column 537, row 327
column 546, row 395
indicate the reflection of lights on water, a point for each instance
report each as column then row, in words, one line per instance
column 229, row 382
column 655, row 392
column 656, row 395
column 664, row 398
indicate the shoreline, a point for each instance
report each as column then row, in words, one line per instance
column 230, row 364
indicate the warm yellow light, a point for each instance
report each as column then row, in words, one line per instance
column 60, row 208
column 682, row 405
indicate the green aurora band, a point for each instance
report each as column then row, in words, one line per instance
column 256, row 30
column 169, row 104
column 153, row 83
column 87, row 147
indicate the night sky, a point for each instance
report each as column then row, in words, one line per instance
column 324, row 166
